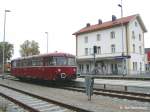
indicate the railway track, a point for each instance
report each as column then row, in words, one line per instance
column 114, row 93
column 34, row 103
column 105, row 92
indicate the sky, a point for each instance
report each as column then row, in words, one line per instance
column 30, row 19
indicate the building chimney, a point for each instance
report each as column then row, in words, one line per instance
column 114, row 17
column 88, row 24
column 99, row 21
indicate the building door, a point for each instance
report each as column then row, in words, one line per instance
column 87, row 68
column 81, row 68
column 114, row 68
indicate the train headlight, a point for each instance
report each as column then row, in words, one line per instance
column 74, row 69
column 59, row 70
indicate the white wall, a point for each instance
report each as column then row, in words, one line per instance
column 105, row 42
column 136, row 57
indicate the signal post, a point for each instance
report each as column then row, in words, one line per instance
column 89, row 79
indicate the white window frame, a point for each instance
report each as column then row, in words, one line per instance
column 98, row 37
column 98, row 49
column 113, row 48
column 133, row 35
column 140, row 49
column 86, row 51
column 86, row 39
column 112, row 34
column 140, row 37
column 133, row 48
column 135, row 24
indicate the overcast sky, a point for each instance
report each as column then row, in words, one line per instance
column 30, row 19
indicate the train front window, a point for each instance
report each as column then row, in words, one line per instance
column 59, row 61
column 71, row 61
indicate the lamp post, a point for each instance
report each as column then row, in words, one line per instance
column 47, row 40
column 4, row 41
column 124, row 60
column 120, row 5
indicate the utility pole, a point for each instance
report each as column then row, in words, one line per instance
column 4, row 41
column 47, row 40
column 123, row 55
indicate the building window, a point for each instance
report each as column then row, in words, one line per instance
column 140, row 66
column 112, row 48
column 98, row 37
column 140, row 49
column 98, row 50
column 139, row 37
column 133, row 48
column 112, row 34
column 133, row 35
column 86, row 39
column 81, row 67
column 90, row 51
column 135, row 24
column 134, row 65
column 87, row 68
column 86, row 51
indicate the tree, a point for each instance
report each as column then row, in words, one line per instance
column 9, row 50
column 29, row 48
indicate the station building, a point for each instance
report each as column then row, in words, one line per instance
column 119, row 43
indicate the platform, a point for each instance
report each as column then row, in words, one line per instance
column 135, row 83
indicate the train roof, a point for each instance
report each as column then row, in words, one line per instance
column 46, row 55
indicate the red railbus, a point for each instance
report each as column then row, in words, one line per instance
column 53, row 66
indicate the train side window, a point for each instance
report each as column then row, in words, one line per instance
column 45, row 61
column 33, row 62
column 37, row 62
column 29, row 62
column 14, row 64
column 24, row 63
column 50, row 61
column 41, row 61
column 54, row 61
column 18, row 63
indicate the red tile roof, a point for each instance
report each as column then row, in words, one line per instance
column 106, row 25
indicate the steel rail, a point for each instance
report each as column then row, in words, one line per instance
column 114, row 93
column 19, row 103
